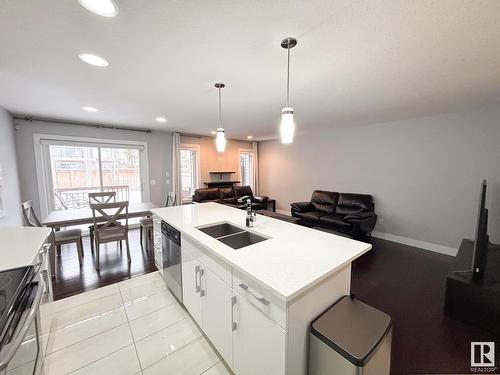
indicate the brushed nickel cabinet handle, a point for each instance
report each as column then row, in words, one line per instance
column 196, row 272
column 234, row 325
column 249, row 291
column 202, row 292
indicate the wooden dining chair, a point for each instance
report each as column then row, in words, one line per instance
column 112, row 230
column 100, row 197
column 170, row 199
column 61, row 237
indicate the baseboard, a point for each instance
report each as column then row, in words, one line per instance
column 416, row 243
column 404, row 240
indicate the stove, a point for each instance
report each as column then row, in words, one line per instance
column 21, row 292
column 12, row 284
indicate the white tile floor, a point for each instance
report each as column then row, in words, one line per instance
column 132, row 327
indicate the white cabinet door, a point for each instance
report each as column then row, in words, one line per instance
column 258, row 342
column 191, row 285
column 217, row 313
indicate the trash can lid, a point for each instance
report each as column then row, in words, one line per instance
column 352, row 328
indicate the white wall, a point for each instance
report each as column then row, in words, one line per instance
column 159, row 148
column 423, row 173
column 8, row 162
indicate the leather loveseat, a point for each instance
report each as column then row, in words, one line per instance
column 349, row 213
column 230, row 196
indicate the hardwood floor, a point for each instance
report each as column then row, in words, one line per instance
column 70, row 279
column 409, row 284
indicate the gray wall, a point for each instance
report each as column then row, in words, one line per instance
column 8, row 161
column 424, row 173
column 159, row 148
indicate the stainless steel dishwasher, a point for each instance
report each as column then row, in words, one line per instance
column 171, row 255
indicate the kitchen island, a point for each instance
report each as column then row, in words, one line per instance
column 255, row 303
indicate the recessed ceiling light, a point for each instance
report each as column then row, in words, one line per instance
column 105, row 8
column 93, row 59
column 161, row 119
column 213, row 132
column 249, row 137
column 89, row 109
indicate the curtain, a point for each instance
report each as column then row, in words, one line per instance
column 255, row 149
column 176, row 168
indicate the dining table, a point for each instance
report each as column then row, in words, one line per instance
column 79, row 216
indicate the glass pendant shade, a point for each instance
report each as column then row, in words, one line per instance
column 220, row 140
column 287, row 127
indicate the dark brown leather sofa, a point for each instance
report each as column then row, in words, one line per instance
column 230, row 196
column 348, row 213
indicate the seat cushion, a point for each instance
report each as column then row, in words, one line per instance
column 325, row 201
column 335, row 221
column 311, row 215
column 350, row 203
column 112, row 234
column 68, row 235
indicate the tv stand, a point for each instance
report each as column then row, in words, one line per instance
column 469, row 299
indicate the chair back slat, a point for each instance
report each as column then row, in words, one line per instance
column 102, row 197
column 111, row 213
column 29, row 217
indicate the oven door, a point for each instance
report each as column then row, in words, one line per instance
column 22, row 352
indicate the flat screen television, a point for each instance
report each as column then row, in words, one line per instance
column 481, row 241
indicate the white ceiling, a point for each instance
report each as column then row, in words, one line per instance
column 357, row 62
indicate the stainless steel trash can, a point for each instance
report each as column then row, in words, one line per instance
column 350, row 338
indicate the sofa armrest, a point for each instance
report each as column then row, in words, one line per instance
column 260, row 199
column 363, row 222
column 302, row 206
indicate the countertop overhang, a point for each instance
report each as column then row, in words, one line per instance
column 291, row 261
column 20, row 245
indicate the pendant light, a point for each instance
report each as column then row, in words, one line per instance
column 287, row 127
column 220, row 138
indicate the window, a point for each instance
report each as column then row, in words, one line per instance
column 189, row 171
column 72, row 167
column 246, row 168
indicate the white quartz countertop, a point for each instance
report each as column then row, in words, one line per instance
column 292, row 260
column 20, row 245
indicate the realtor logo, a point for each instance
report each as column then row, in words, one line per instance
column 482, row 354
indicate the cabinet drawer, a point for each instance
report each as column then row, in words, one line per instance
column 217, row 266
column 260, row 297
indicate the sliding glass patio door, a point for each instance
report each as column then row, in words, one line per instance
column 73, row 169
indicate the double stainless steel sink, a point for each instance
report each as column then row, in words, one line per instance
column 232, row 235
